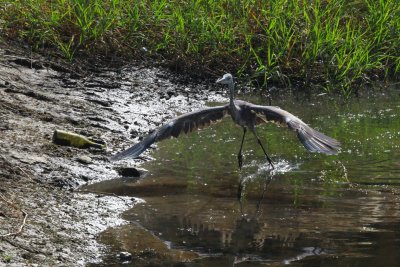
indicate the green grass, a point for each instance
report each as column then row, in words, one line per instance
column 336, row 44
column 7, row 258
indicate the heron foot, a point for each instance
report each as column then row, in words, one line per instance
column 270, row 162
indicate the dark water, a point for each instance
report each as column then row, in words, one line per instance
column 312, row 210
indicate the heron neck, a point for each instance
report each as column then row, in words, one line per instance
column 231, row 93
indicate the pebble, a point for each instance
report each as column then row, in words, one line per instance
column 125, row 256
column 128, row 171
column 84, row 159
column 40, row 257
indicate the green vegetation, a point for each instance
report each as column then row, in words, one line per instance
column 335, row 44
column 7, row 258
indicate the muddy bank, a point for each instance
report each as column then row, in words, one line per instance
column 57, row 225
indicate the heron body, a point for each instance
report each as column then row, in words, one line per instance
column 246, row 115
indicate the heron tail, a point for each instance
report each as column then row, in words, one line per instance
column 136, row 150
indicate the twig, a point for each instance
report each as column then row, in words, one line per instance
column 25, row 173
column 21, row 227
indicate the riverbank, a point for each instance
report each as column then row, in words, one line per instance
column 43, row 220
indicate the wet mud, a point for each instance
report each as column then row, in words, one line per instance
column 45, row 220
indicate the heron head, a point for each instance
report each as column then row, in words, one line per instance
column 226, row 79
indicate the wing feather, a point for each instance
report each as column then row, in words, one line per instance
column 312, row 140
column 185, row 123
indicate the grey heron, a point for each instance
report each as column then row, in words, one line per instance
column 246, row 115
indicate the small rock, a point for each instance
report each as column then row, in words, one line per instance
column 128, row 171
column 26, row 256
column 103, row 103
column 134, row 133
column 125, row 256
column 85, row 177
column 40, row 257
column 84, row 159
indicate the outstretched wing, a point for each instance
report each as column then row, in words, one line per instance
column 184, row 123
column 312, row 140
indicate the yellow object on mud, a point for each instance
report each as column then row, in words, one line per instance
column 65, row 138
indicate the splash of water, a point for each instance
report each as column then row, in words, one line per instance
column 264, row 169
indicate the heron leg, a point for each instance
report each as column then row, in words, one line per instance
column 265, row 153
column 240, row 156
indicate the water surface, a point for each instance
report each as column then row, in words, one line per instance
column 312, row 210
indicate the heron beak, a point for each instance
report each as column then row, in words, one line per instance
column 220, row 80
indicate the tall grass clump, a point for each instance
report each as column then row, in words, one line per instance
column 334, row 44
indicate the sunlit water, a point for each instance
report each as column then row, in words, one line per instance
column 312, row 210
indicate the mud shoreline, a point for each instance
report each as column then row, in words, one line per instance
column 39, row 179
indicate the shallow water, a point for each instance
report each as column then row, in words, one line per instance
column 312, row 210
